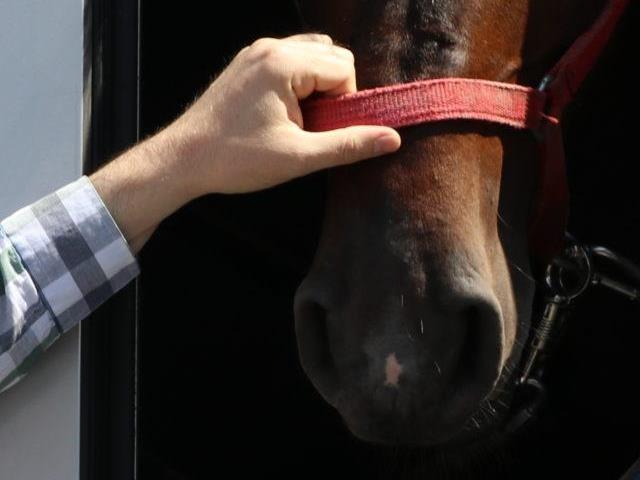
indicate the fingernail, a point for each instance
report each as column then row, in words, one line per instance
column 385, row 144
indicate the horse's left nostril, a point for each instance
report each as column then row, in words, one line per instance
column 481, row 348
column 313, row 344
column 479, row 362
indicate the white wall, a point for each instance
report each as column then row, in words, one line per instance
column 41, row 44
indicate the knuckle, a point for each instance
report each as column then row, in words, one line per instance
column 321, row 38
column 348, row 147
column 269, row 53
column 347, row 72
column 263, row 42
column 343, row 52
column 263, row 48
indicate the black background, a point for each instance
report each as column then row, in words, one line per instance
column 221, row 388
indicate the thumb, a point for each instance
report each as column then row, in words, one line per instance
column 352, row 144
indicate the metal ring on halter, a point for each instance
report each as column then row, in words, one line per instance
column 570, row 274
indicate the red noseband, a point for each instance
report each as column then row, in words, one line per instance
column 501, row 103
column 430, row 101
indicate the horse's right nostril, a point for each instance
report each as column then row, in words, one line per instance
column 313, row 344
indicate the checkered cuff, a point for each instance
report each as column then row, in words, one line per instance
column 73, row 251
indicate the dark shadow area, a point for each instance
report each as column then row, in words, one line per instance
column 591, row 424
column 220, row 385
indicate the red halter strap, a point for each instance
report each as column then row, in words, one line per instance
column 482, row 100
column 430, row 101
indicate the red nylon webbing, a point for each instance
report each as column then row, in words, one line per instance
column 568, row 74
column 551, row 206
column 429, row 101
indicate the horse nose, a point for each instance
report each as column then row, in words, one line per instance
column 436, row 356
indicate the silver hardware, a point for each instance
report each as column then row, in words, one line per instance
column 567, row 278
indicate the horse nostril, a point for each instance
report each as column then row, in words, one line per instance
column 478, row 338
column 313, row 346
column 479, row 362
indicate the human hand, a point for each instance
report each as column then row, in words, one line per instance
column 245, row 132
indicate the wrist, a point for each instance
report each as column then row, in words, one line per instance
column 143, row 186
column 193, row 139
column 165, row 165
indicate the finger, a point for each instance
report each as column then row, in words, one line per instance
column 310, row 37
column 336, row 50
column 322, row 73
column 349, row 145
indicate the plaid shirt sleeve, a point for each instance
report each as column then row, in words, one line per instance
column 60, row 258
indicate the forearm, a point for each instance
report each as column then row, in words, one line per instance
column 144, row 186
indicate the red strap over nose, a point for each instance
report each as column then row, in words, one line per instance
column 429, row 101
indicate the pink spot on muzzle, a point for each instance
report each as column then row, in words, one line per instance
column 392, row 371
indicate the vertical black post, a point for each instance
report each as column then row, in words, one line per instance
column 108, row 425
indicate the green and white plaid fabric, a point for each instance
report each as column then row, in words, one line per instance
column 60, row 258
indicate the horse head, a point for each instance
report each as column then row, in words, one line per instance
column 414, row 314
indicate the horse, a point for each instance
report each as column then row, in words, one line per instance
column 415, row 314
column 253, row 252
